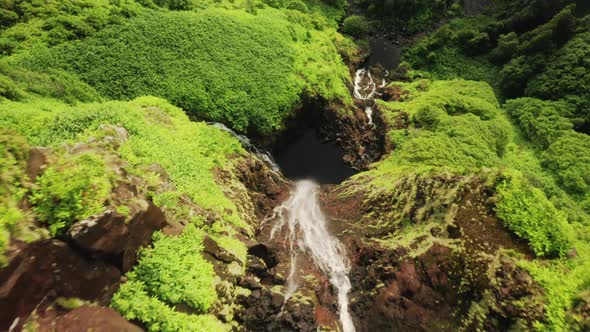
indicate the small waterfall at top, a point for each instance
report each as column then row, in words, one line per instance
column 248, row 145
column 365, row 89
column 307, row 232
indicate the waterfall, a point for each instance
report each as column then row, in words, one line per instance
column 307, row 233
column 365, row 89
column 248, row 145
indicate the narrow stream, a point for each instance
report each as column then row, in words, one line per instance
column 307, row 233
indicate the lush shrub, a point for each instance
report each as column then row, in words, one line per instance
column 71, row 189
column 13, row 158
column 171, row 272
column 528, row 213
column 355, row 25
column 54, row 22
column 222, row 65
column 457, row 125
column 135, row 303
column 507, row 46
column 567, row 75
column 411, row 15
column 17, row 82
column 542, row 121
column 175, row 271
column 569, row 158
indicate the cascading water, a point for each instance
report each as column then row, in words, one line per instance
column 248, row 145
column 365, row 89
column 307, row 233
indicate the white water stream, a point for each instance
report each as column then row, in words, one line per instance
column 365, row 89
column 248, row 145
column 307, row 233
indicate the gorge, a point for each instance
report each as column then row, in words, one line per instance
column 304, row 165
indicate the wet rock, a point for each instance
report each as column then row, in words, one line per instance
column 37, row 162
column 93, row 318
column 265, row 253
column 115, row 135
column 277, row 300
column 44, row 270
column 256, row 266
column 212, row 248
column 111, row 234
column 103, row 234
column 250, row 282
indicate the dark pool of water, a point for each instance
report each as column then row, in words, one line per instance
column 384, row 52
column 307, row 157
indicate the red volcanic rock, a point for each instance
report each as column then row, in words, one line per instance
column 45, row 270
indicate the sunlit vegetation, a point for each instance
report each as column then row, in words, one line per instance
column 501, row 97
column 245, row 70
column 172, row 272
column 13, row 156
column 72, row 189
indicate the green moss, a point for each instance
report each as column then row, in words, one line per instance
column 72, row 189
column 234, row 246
column 527, row 212
column 70, row 303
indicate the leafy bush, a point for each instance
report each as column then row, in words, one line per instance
column 222, row 65
column 412, row 15
column 16, row 83
column 53, row 22
column 457, row 125
column 567, row 75
column 175, row 271
column 171, row 272
column 569, row 158
column 355, row 25
column 71, row 189
column 542, row 121
column 135, row 303
column 13, row 158
column 528, row 213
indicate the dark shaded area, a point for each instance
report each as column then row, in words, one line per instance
column 384, row 52
column 307, row 157
column 582, row 8
column 263, row 252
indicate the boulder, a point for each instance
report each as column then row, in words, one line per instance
column 265, row 253
column 45, row 270
column 37, row 162
column 94, row 318
column 212, row 248
column 113, row 235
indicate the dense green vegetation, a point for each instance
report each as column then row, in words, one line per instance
column 504, row 95
column 72, row 189
column 529, row 214
column 410, row 16
column 13, row 156
column 458, row 127
column 456, row 124
column 171, row 273
column 245, row 70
